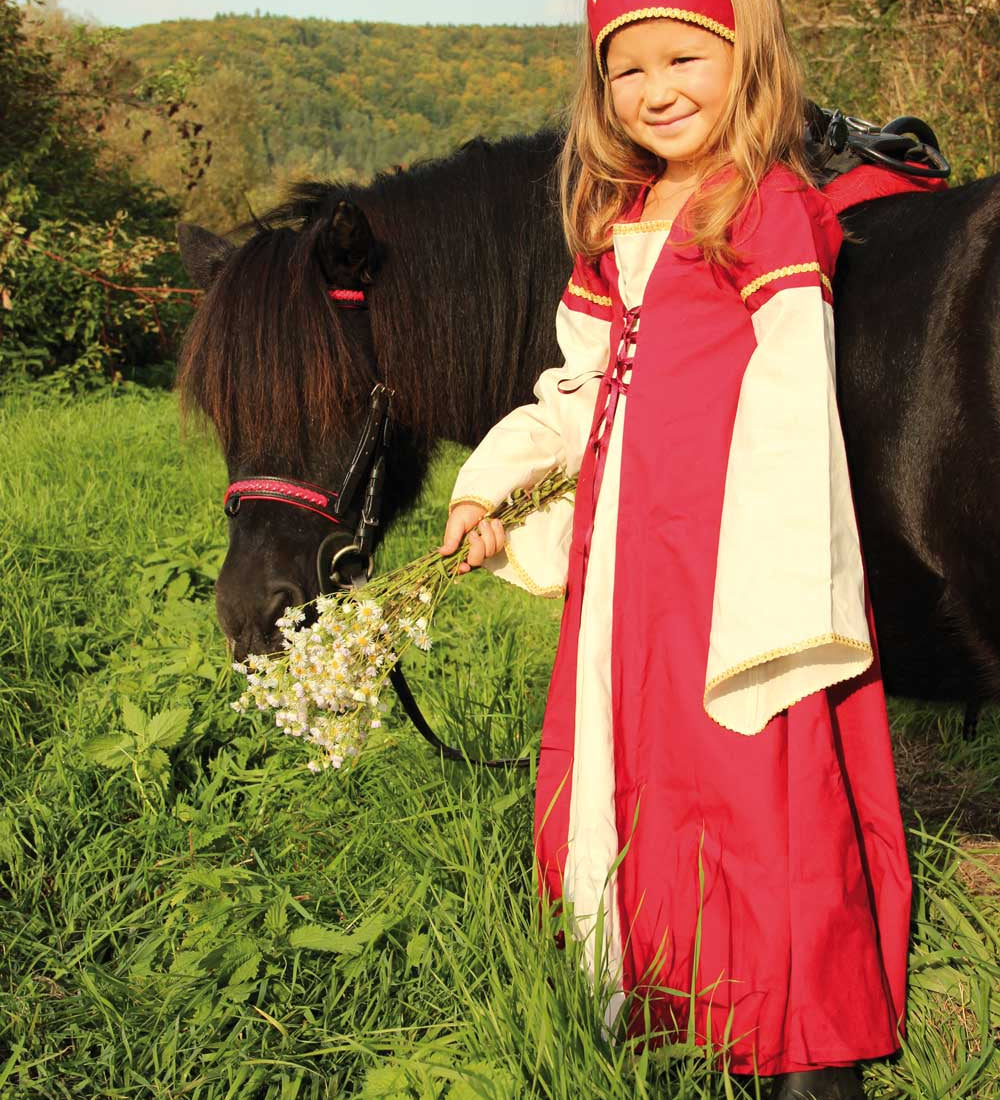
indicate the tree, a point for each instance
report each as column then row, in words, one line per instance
column 74, row 226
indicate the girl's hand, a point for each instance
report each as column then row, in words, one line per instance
column 486, row 536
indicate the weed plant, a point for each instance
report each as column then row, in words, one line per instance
column 187, row 912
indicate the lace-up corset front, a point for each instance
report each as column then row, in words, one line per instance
column 637, row 249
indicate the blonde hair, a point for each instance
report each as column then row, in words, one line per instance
column 762, row 124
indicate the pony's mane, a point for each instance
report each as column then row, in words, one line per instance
column 457, row 306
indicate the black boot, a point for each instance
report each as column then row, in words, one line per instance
column 831, row 1083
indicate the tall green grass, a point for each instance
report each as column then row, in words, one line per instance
column 197, row 916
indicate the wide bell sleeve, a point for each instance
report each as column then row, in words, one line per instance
column 788, row 615
column 536, row 438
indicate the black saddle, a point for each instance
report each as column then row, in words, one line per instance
column 836, row 143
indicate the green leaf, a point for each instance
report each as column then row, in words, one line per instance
column 156, row 764
column 246, row 971
column 203, row 836
column 483, row 1081
column 116, row 750
column 276, row 917
column 315, row 938
column 416, row 950
column 385, row 1083
column 187, row 963
column 133, row 719
column 168, row 727
column 312, row 937
column 504, row 803
column 178, row 587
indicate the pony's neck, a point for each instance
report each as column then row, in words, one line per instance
column 463, row 313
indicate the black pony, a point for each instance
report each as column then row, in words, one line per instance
column 463, row 262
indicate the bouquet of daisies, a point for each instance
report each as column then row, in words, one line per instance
column 325, row 686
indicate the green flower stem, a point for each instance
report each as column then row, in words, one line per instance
column 512, row 513
column 438, row 572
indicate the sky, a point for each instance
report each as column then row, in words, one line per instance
column 130, row 13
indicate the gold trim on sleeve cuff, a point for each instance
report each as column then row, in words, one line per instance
column 481, row 501
column 776, row 654
column 581, row 292
column 781, row 273
column 788, row 651
column 549, row 593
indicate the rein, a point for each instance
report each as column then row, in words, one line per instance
column 368, row 466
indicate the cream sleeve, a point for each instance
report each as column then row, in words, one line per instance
column 789, row 615
column 534, row 439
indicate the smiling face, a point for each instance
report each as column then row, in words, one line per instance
column 669, row 81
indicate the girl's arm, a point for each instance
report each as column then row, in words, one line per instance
column 533, row 439
column 552, row 431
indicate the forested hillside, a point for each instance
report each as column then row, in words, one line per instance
column 355, row 97
column 312, row 97
column 285, row 97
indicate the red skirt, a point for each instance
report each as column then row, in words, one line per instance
column 766, row 874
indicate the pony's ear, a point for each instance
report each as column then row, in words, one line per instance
column 202, row 252
column 349, row 253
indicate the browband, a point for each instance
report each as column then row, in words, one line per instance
column 349, row 299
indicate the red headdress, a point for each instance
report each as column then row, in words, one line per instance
column 606, row 16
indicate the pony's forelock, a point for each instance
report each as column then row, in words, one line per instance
column 264, row 356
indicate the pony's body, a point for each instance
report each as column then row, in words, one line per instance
column 918, row 341
column 464, row 263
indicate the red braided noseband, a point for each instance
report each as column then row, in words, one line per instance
column 291, row 492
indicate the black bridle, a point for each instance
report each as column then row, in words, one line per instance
column 363, row 482
column 367, row 468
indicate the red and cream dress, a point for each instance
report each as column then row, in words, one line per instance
column 716, row 796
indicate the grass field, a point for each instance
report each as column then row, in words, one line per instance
column 187, row 912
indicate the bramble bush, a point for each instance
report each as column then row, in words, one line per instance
column 63, row 327
column 82, row 245
column 936, row 59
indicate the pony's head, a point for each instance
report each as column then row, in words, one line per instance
column 284, row 367
column 461, row 263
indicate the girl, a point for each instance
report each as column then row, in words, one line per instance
column 716, row 800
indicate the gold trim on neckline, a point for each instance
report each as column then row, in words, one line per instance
column 662, row 226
